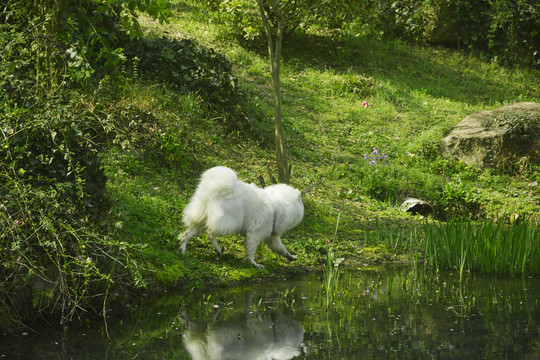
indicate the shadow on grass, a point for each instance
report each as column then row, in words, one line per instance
column 439, row 72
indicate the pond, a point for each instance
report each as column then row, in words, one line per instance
column 376, row 314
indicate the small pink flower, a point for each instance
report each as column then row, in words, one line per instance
column 365, row 104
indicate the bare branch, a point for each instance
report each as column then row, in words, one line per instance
column 261, row 180
column 310, row 187
column 292, row 16
column 285, row 5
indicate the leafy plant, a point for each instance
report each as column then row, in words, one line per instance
column 69, row 40
column 459, row 199
column 55, row 151
column 503, row 30
column 190, row 68
column 54, row 242
column 56, row 260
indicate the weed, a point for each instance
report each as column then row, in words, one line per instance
column 332, row 272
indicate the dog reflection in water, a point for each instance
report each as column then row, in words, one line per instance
column 251, row 337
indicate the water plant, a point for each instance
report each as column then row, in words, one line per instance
column 332, row 272
column 485, row 246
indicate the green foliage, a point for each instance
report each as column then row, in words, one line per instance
column 54, row 149
column 332, row 272
column 54, row 244
column 504, row 30
column 458, row 200
column 53, row 262
column 187, row 67
column 66, row 41
column 243, row 19
column 394, row 182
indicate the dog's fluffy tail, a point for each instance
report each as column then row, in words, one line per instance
column 215, row 182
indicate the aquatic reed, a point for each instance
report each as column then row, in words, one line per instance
column 487, row 247
column 332, row 272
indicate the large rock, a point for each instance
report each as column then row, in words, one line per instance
column 499, row 138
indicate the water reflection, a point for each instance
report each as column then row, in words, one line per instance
column 427, row 315
column 250, row 337
column 393, row 314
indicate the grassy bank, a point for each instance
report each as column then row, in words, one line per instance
column 417, row 94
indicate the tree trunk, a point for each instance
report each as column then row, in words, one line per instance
column 274, row 55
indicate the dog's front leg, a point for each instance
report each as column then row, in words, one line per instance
column 252, row 242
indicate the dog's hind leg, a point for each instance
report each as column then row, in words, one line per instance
column 186, row 236
column 251, row 244
column 275, row 244
column 214, row 242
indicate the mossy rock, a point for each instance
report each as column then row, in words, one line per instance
column 502, row 138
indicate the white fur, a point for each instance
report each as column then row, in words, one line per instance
column 223, row 205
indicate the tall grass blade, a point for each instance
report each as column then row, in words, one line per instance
column 486, row 247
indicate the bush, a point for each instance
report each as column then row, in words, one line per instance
column 54, row 253
column 507, row 31
column 66, row 42
column 188, row 67
column 504, row 30
column 53, row 149
column 50, row 262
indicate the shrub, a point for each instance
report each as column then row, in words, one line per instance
column 504, row 30
column 55, row 253
column 459, row 200
column 53, row 149
column 188, row 67
column 50, row 262
column 68, row 41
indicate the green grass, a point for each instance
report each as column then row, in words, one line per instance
column 486, row 247
column 418, row 95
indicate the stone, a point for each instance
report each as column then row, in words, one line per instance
column 417, row 206
column 501, row 138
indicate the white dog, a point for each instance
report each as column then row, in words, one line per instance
column 223, row 205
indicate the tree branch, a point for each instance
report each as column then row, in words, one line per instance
column 310, row 187
column 292, row 16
